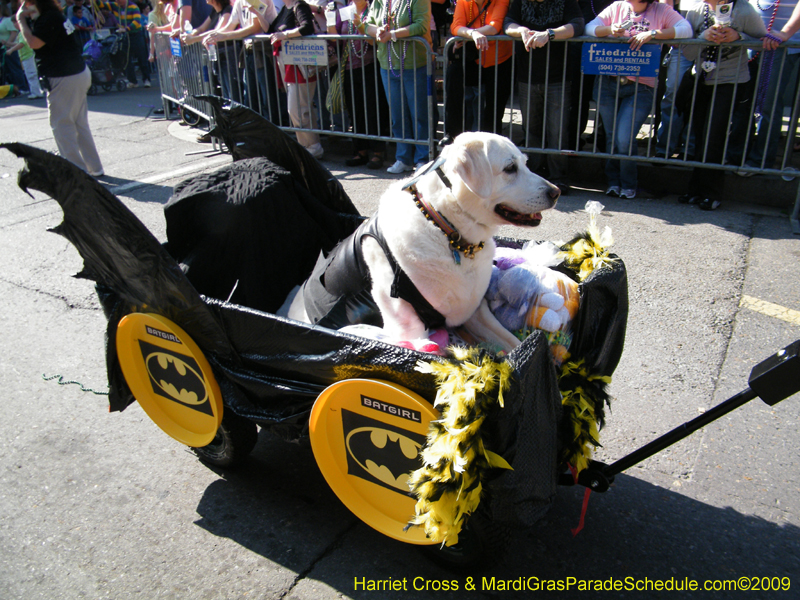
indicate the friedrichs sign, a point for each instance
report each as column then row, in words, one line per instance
column 619, row 59
column 310, row 53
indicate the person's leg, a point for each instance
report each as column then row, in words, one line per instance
column 139, row 52
column 85, row 140
column 531, row 102
column 301, row 112
column 557, row 116
column 14, row 72
column 639, row 104
column 251, row 82
column 416, row 90
column 765, row 146
column 454, row 104
column 392, row 86
column 63, row 107
column 32, row 75
column 606, row 99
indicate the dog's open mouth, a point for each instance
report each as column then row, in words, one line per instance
column 512, row 216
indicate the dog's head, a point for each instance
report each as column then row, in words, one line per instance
column 492, row 182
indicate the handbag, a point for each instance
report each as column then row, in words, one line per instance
column 334, row 101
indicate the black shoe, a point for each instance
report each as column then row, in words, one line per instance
column 158, row 111
column 357, row 161
column 688, row 199
column 708, row 204
column 565, row 189
column 445, row 141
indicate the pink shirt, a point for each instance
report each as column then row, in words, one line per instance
column 657, row 16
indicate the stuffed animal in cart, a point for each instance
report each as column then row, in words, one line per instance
column 524, row 295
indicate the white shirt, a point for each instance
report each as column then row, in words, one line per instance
column 242, row 17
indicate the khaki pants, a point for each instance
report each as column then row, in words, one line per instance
column 300, row 97
column 69, row 120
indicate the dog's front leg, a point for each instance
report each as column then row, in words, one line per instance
column 400, row 320
column 485, row 326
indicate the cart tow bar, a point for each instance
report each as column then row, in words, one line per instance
column 772, row 380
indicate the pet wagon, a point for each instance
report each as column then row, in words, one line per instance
column 193, row 337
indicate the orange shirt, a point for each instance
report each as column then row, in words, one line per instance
column 466, row 10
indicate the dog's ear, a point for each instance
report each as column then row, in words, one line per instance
column 473, row 167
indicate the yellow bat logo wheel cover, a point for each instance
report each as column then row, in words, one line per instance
column 367, row 436
column 170, row 378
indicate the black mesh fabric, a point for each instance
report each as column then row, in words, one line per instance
column 249, row 232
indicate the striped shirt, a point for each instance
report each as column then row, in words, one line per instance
column 130, row 17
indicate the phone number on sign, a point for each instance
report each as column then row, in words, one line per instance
column 535, row 584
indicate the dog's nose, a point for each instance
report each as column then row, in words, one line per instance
column 554, row 193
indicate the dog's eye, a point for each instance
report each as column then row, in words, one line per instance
column 510, row 168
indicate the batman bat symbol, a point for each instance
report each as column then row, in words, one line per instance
column 386, row 455
column 176, row 377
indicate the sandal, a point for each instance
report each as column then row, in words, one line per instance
column 376, row 162
column 358, row 160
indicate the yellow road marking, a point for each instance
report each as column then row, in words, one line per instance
column 771, row 310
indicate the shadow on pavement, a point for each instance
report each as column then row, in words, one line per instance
column 278, row 506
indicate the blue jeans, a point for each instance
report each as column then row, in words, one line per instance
column 767, row 149
column 260, row 89
column 408, row 106
column 13, row 71
column 632, row 109
column 671, row 122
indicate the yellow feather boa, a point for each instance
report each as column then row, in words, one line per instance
column 448, row 486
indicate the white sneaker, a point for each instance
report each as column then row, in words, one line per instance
column 99, row 173
column 627, row 193
column 613, row 190
column 132, row 84
column 419, row 165
column 35, row 96
column 316, row 150
column 399, row 167
column 147, row 83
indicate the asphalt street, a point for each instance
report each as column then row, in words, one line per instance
column 99, row 505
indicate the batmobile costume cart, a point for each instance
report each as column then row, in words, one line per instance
column 209, row 369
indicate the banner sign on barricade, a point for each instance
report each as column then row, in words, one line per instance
column 619, row 59
column 306, row 52
column 175, row 46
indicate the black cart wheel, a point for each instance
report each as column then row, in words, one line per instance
column 121, row 85
column 92, row 90
column 190, row 118
column 107, row 87
column 481, row 544
column 235, row 439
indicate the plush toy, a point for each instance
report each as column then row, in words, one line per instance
column 524, row 294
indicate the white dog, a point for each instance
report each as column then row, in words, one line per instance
column 438, row 227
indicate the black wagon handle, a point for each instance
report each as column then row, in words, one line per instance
column 772, row 380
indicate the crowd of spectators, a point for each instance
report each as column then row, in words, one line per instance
column 385, row 86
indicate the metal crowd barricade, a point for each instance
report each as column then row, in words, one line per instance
column 270, row 99
column 183, row 75
column 247, row 72
column 582, row 90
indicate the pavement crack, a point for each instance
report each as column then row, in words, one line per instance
column 728, row 335
column 67, row 302
column 337, row 541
